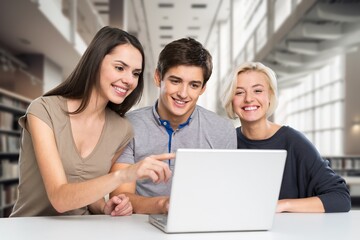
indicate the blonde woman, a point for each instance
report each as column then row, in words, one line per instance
column 309, row 184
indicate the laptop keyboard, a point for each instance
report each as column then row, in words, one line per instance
column 162, row 219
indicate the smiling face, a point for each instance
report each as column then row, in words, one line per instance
column 252, row 97
column 179, row 91
column 119, row 73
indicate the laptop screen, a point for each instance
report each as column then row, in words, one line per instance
column 224, row 190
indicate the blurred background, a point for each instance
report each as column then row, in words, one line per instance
column 312, row 45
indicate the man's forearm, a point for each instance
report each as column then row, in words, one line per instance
column 97, row 207
column 148, row 205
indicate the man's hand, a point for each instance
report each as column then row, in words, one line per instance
column 163, row 204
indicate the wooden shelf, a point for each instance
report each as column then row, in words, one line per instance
column 14, row 110
column 9, row 179
column 352, row 180
column 9, row 155
column 14, row 96
column 7, row 206
column 10, row 132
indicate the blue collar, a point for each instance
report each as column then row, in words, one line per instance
column 167, row 123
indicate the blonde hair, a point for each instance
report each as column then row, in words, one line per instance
column 231, row 83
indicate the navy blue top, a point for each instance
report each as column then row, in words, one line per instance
column 306, row 174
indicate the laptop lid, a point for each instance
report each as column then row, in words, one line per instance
column 224, row 190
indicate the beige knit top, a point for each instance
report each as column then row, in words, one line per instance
column 32, row 198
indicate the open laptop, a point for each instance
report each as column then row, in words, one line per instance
column 223, row 190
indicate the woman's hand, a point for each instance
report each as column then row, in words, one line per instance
column 152, row 167
column 301, row 205
column 119, row 205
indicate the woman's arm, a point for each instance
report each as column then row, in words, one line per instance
column 141, row 204
column 66, row 196
column 320, row 189
column 329, row 187
column 119, row 205
column 310, row 204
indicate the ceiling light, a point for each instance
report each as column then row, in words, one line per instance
column 101, row 4
column 197, row 5
column 166, row 36
column 166, row 27
column 194, row 27
column 166, row 5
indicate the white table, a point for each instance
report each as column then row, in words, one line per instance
column 287, row 226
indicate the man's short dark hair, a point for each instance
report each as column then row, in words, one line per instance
column 188, row 52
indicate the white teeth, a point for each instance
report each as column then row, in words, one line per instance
column 120, row 89
column 250, row 108
column 179, row 102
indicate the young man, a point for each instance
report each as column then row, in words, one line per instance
column 175, row 121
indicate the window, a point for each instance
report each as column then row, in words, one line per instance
column 316, row 107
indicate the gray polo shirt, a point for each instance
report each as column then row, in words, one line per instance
column 204, row 129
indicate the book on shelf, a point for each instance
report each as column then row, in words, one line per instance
column 8, row 194
column 13, row 144
column 345, row 165
column 9, row 143
column 9, row 169
column 3, row 143
column 6, row 120
column 13, row 102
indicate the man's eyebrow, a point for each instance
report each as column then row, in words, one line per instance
column 197, row 81
column 180, row 79
column 175, row 77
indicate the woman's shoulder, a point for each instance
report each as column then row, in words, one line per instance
column 293, row 133
column 290, row 136
column 47, row 103
column 288, row 132
column 300, row 140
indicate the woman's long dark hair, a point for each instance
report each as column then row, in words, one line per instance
column 86, row 74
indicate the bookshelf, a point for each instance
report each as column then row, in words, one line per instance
column 12, row 106
column 349, row 168
column 346, row 166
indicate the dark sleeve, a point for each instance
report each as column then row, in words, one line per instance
column 321, row 180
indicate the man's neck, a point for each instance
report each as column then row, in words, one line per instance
column 175, row 121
